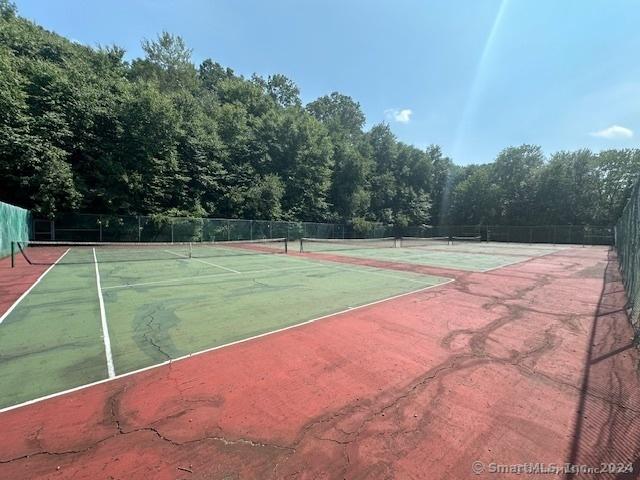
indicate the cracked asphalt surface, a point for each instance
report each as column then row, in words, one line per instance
column 530, row 363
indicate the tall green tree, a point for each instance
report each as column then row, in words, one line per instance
column 84, row 129
column 515, row 172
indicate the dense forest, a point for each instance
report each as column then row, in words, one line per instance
column 83, row 129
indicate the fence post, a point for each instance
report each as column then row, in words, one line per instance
column 100, row 227
column 171, row 230
column 139, row 229
column 530, row 235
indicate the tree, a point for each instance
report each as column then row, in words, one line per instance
column 474, row 199
column 304, row 158
column 211, row 73
column 282, row 90
column 7, row 9
column 515, row 172
column 350, row 192
column 167, row 61
column 617, row 171
column 339, row 113
column 83, row 129
column 443, row 179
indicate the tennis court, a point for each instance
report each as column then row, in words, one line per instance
column 186, row 354
column 107, row 309
column 467, row 254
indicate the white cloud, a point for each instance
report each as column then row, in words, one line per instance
column 613, row 132
column 400, row 116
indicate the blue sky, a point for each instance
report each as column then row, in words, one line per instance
column 472, row 76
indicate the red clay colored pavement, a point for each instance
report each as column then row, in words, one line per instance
column 15, row 281
column 529, row 363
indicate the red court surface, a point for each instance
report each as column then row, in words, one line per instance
column 531, row 363
column 15, row 281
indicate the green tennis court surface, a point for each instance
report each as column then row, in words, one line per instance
column 175, row 302
column 459, row 255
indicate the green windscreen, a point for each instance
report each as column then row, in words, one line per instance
column 628, row 246
column 14, row 226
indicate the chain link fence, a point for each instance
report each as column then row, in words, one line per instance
column 78, row 227
column 553, row 234
column 138, row 228
column 628, row 248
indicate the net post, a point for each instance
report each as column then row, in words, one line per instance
column 190, row 250
column 286, row 245
column 301, row 248
column 13, row 254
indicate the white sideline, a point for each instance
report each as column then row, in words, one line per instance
column 202, row 261
column 15, row 304
column 215, row 275
column 166, row 362
column 103, row 319
column 515, row 262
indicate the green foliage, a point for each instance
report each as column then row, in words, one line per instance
column 340, row 113
column 82, row 129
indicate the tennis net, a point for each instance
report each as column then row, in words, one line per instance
column 423, row 241
column 48, row 253
column 466, row 239
column 331, row 245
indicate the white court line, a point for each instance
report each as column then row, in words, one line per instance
column 15, row 304
column 166, row 362
column 103, row 319
column 314, row 264
column 215, row 275
column 202, row 261
column 369, row 269
column 532, row 257
column 407, row 260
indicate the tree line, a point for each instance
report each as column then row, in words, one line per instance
column 83, row 129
